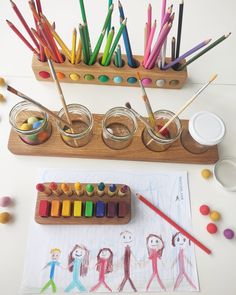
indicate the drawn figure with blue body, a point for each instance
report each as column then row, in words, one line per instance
column 55, row 255
column 78, row 262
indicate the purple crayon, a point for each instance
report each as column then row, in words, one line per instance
column 123, row 190
column 111, row 190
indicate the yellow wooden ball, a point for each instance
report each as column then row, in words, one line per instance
column 5, row 217
column 2, row 98
column 206, row 173
column 215, row 216
column 2, row 82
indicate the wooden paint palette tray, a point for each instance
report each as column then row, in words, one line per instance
column 111, row 75
column 96, row 148
column 84, row 209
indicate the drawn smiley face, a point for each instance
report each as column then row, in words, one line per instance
column 126, row 237
column 181, row 240
column 105, row 254
column 155, row 242
column 78, row 253
column 55, row 255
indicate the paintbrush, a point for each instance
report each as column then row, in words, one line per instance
column 147, row 103
column 40, row 106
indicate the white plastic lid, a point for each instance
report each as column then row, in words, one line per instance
column 206, row 128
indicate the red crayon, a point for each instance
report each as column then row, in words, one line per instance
column 43, row 189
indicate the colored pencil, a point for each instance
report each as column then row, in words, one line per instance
column 39, row 105
column 110, row 2
column 147, row 103
column 157, row 47
column 180, row 21
column 188, row 103
column 116, row 59
column 108, row 45
column 82, row 37
column 173, row 223
column 33, row 9
column 117, row 38
column 88, row 49
column 149, row 20
column 25, row 25
column 149, row 43
column 101, row 37
column 186, row 54
column 86, row 32
column 97, row 48
column 119, row 57
column 78, row 52
column 145, row 38
column 39, row 6
column 167, row 16
column 173, row 42
column 125, row 34
column 18, row 33
column 42, row 42
column 163, row 10
column 73, row 49
column 204, row 51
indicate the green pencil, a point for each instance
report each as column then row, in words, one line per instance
column 122, row 26
column 108, row 45
column 97, row 48
column 84, row 18
column 116, row 59
column 204, row 51
column 82, row 38
column 109, row 23
column 99, row 42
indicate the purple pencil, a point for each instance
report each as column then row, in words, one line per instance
column 167, row 16
column 186, row 54
column 157, row 48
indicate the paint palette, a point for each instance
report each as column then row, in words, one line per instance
column 111, row 75
column 87, row 203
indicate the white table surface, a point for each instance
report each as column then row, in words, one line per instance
column 202, row 19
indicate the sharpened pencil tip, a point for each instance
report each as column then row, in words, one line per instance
column 213, row 78
column 227, row 35
column 128, row 105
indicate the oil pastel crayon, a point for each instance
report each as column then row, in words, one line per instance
column 66, row 189
column 43, row 189
column 112, row 190
column 89, row 189
column 101, row 189
column 78, row 188
column 55, row 188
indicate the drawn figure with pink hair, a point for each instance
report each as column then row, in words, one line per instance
column 155, row 246
column 104, row 265
column 180, row 241
column 78, row 262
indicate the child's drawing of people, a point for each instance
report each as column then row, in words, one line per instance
column 104, row 265
column 180, row 241
column 155, row 246
column 127, row 239
column 78, row 262
column 55, row 255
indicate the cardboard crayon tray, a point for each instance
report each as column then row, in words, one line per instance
column 96, row 148
column 116, row 199
column 113, row 76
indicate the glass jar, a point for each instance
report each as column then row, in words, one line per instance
column 118, row 128
column 205, row 129
column 159, row 143
column 82, row 121
column 30, row 123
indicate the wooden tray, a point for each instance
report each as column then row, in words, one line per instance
column 170, row 79
column 96, row 149
column 84, row 197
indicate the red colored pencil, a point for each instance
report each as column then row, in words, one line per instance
column 173, row 223
column 39, row 6
column 33, row 9
column 48, row 44
column 21, row 18
column 18, row 33
column 42, row 42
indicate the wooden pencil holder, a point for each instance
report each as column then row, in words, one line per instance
column 111, row 75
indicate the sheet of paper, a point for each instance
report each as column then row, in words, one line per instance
column 146, row 255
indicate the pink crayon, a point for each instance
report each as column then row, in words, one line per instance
column 40, row 187
column 123, row 190
column 55, row 189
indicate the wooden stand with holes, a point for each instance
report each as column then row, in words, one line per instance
column 96, row 148
column 83, row 198
column 169, row 79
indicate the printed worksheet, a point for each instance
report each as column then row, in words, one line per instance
column 145, row 255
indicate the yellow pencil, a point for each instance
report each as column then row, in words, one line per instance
column 63, row 46
column 73, row 50
column 79, row 52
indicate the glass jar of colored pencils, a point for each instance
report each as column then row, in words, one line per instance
column 205, row 129
column 82, row 123
column 161, row 142
column 30, row 123
column 118, row 128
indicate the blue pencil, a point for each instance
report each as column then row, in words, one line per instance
column 128, row 49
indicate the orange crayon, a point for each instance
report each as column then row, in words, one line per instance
column 66, row 189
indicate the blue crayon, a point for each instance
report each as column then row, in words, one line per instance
column 101, row 189
column 112, row 190
column 100, row 209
